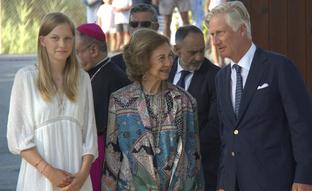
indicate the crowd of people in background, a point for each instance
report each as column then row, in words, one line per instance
column 158, row 115
column 113, row 15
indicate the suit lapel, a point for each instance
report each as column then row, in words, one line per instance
column 193, row 88
column 196, row 82
column 227, row 95
column 254, row 75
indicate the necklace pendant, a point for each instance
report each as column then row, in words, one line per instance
column 60, row 103
column 157, row 150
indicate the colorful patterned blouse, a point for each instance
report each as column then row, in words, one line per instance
column 152, row 141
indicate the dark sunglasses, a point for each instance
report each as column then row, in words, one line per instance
column 145, row 24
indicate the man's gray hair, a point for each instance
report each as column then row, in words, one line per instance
column 143, row 7
column 236, row 14
column 183, row 31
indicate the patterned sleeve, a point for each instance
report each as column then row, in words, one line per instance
column 20, row 129
column 112, row 151
column 195, row 177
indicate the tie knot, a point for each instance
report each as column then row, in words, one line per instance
column 184, row 73
column 237, row 68
column 181, row 81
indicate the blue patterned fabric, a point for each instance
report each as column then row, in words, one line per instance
column 132, row 161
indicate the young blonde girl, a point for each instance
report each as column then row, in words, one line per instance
column 51, row 121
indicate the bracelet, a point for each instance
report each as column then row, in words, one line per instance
column 37, row 164
column 44, row 167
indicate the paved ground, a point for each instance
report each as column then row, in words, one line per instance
column 9, row 163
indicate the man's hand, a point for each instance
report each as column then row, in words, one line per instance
column 301, row 187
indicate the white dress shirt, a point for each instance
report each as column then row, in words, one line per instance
column 244, row 63
column 177, row 76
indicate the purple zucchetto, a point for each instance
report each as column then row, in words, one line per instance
column 92, row 30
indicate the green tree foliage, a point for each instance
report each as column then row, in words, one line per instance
column 20, row 21
column 18, row 35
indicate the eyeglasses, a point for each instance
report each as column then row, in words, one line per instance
column 85, row 48
column 145, row 24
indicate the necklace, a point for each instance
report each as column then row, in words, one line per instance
column 59, row 96
column 106, row 61
column 157, row 117
column 60, row 102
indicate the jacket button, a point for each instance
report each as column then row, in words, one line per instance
column 235, row 132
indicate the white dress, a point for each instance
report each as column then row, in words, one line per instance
column 61, row 131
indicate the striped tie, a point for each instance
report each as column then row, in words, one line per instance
column 239, row 88
column 181, row 81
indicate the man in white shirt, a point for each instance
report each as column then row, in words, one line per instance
column 196, row 74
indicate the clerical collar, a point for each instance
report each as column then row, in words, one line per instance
column 98, row 67
column 104, row 60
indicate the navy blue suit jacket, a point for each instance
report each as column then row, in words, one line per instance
column 202, row 88
column 272, row 145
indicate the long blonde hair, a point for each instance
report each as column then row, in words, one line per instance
column 45, row 83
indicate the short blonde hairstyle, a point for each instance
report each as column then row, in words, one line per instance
column 138, row 51
column 45, row 83
column 236, row 15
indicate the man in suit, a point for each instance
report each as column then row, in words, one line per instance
column 196, row 74
column 264, row 108
column 141, row 16
column 105, row 77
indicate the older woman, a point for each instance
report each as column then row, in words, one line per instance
column 152, row 136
